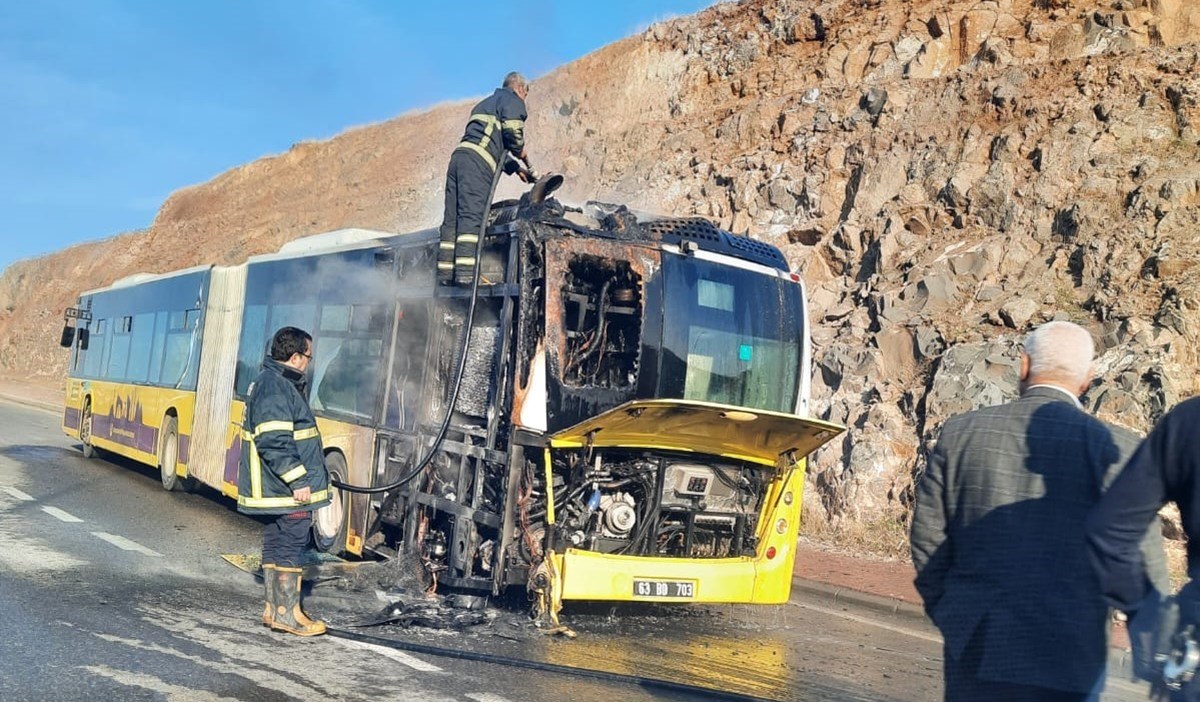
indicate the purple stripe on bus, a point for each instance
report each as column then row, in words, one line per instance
column 147, row 438
column 185, row 447
column 233, row 456
column 72, row 418
column 133, row 432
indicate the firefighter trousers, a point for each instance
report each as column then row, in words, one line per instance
column 285, row 538
column 468, row 188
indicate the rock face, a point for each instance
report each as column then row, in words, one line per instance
column 946, row 175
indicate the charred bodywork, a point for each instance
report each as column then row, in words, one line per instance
column 583, row 313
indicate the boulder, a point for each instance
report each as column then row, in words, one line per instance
column 1017, row 313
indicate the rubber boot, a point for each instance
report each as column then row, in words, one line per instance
column 287, row 615
column 268, row 585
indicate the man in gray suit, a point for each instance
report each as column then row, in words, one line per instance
column 998, row 535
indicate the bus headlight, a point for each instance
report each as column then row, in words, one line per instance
column 781, row 526
column 787, row 497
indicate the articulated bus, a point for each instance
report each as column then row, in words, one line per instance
column 630, row 420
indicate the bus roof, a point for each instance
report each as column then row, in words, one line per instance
column 338, row 241
column 139, row 278
column 335, row 239
column 328, row 242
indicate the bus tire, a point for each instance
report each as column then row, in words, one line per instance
column 330, row 523
column 168, row 455
column 85, row 430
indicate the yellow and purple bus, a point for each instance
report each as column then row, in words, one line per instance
column 629, row 420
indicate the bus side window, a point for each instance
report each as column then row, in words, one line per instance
column 194, row 330
column 95, row 355
column 142, row 336
column 178, row 366
column 79, row 351
column 346, row 376
column 159, row 344
column 252, row 348
column 300, row 316
column 118, row 355
column 102, row 369
column 407, row 365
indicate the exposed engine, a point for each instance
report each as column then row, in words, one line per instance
column 644, row 505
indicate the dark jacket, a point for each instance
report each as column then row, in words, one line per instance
column 281, row 446
column 999, row 545
column 1165, row 468
column 497, row 124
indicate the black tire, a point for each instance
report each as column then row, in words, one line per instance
column 331, row 522
column 168, row 455
column 85, row 430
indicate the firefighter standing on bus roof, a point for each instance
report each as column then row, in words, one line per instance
column 282, row 473
column 496, row 127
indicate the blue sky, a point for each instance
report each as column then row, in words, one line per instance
column 110, row 105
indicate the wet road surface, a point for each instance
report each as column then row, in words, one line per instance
column 112, row 588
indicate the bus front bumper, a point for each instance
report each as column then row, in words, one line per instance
column 587, row 575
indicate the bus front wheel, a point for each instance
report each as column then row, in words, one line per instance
column 85, row 430
column 329, row 522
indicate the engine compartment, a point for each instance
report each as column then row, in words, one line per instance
column 644, row 504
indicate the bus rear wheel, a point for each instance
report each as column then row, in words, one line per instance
column 85, row 430
column 330, row 522
column 168, row 456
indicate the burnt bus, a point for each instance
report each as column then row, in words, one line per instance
column 630, row 415
column 632, row 423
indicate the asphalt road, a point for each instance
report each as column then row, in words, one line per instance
column 113, row 589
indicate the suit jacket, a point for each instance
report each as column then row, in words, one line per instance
column 999, row 545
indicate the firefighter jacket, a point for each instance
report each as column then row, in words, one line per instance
column 281, row 447
column 497, row 125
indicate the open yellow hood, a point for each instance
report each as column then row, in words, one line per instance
column 700, row 427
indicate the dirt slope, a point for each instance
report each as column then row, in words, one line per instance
column 945, row 174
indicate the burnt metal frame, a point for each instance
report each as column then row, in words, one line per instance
column 471, row 457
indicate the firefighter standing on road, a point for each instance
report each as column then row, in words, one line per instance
column 496, row 127
column 282, row 473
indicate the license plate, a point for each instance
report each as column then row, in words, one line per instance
column 671, row 589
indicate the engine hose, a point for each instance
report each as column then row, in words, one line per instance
column 604, row 675
column 458, row 375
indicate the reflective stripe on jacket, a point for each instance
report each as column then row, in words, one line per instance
column 281, row 446
column 497, row 124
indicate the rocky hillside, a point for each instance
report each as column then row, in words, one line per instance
column 945, row 174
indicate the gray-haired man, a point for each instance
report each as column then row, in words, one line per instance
column 998, row 533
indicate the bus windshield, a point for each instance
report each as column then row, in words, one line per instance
column 730, row 335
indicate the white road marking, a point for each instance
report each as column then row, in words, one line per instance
column 866, row 620
column 60, row 515
column 1112, row 681
column 485, row 697
column 18, row 494
column 125, row 544
column 153, row 684
column 398, row 656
